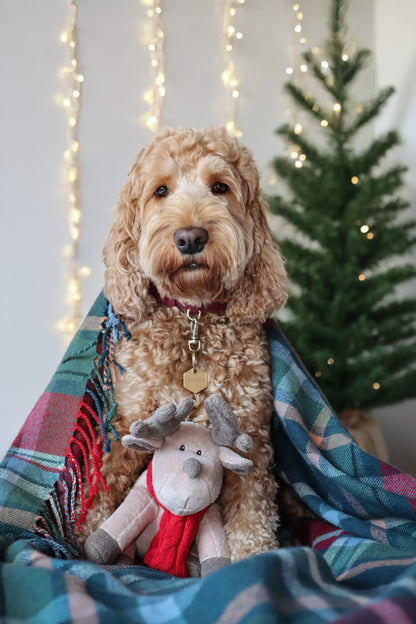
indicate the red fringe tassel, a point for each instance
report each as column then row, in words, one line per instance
column 85, row 457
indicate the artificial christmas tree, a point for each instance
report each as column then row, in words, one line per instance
column 347, row 257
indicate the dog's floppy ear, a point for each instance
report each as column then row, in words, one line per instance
column 262, row 290
column 125, row 285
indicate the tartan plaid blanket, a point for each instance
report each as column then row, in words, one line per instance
column 354, row 561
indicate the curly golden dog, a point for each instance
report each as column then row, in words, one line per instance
column 193, row 272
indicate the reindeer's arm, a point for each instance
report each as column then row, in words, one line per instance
column 211, row 542
column 137, row 511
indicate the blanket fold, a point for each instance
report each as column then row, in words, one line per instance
column 359, row 561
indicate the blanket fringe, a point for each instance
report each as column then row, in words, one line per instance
column 85, row 458
column 81, row 478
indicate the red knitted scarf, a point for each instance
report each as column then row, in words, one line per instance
column 170, row 546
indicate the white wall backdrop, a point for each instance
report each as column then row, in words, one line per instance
column 115, row 63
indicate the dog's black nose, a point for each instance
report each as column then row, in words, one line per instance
column 190, row 240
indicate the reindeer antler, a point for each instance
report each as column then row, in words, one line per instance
column 148, row 434
column 225, row 428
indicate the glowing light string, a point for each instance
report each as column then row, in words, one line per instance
column 72, row 104
column 154, row 42
column 230, row 35
column 298, row 68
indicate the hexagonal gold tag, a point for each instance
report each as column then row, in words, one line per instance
column 195, row 380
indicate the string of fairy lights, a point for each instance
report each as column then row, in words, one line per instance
column 230, row 36
column 71, row 102
column 297, row 69
column 154, row 42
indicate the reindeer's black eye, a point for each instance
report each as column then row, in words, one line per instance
column 199, row 452
column 219, row 188
column 182, row 447
column 161, row 191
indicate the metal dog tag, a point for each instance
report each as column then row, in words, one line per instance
column 195, row 380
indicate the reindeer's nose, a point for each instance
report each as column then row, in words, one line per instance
column 192, row 467
column 190, row 240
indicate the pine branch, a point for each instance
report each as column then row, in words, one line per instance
column 387, row 329
column 311, row 153
column 384, row 363
column 397, row 389
column 370, row 189
column 376, row 255
column 369, row 111
column 337, row 17
column 278, row 205
column 378, row 287
column 307, row 260
column 371, row 157
column 299, row 180
column 391, row 392
column 303, row 100
column 394, row 322
column 350, row 68
column 394, row 310
column 394, row 241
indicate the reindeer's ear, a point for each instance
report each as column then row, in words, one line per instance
column 234, row 462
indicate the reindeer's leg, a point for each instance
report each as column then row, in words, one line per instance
column 120, row 470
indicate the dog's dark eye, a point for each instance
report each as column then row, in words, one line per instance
column 182, row 447
column 161, row 191
column 219, row 188
column 199, row 452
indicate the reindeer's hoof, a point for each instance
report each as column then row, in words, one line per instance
column 101, row 548
column 212, row 564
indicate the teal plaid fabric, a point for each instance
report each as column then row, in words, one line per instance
column 355, row 562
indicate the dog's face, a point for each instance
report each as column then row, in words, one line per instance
column 197, row 235
column 192, row 223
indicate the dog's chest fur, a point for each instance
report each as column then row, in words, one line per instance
column 234, row 356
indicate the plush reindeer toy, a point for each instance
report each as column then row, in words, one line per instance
column 172, row 505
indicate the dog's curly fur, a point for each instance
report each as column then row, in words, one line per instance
column 239, row 265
